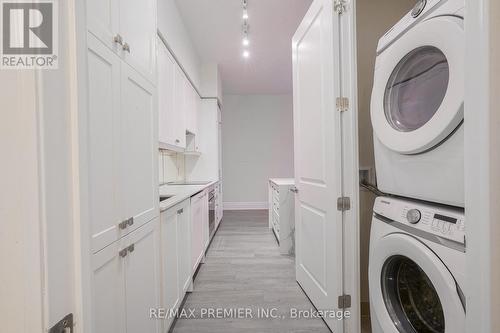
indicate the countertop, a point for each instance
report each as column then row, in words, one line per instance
column 180, row 193
column 282, row 181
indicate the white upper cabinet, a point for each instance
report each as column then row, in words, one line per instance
column 168, row 131
column 129, row 28
column 103, row 20
column 180, row 107
column 138, row 30
column 191, row 100
column 138, row 137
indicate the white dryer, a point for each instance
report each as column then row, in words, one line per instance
column 417, row 104
column 417, row 268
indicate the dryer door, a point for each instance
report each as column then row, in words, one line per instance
column 412, row 291
column 418, row 89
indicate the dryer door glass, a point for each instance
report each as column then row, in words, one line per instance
column 416, row 88
column 410, row 297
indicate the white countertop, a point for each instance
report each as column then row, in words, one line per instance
column 282, row 181
column 180, row 193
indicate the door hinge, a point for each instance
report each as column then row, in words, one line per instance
column 340, row 6
column 343, row 204
column 63, row 326
column 342, row 104
column 344, row 302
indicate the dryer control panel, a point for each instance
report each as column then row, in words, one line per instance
column 445, row 222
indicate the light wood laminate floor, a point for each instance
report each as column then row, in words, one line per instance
column 244, row 269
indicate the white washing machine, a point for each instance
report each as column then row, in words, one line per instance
column 417, row 268
column 417, row 104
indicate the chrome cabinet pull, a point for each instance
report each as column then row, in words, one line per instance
column 131, row 248
column 126, row 47
column 180, row 211
column 126, row 223
column 123, row 253
column 118, row 39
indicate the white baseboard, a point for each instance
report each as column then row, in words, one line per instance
column 245, row 205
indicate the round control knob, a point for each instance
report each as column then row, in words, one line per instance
column 413, row 216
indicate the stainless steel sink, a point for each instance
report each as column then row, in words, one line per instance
column 165, row 197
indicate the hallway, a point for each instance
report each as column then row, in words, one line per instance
column 244, row 269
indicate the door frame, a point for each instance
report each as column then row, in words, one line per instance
column 350, row 161
column 482, row 162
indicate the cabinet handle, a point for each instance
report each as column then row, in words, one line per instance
column 126, row 47
column 177, row 140
column 123, row 253
column 126, row 223
column 118, row 39
column 180, row 211
column 131, row 248
column 123, row 225
column 294, row 189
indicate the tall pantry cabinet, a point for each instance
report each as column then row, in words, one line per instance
column 118, row 143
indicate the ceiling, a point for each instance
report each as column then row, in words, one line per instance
column 215, row 27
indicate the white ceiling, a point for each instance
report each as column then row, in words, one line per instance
column 215, row 29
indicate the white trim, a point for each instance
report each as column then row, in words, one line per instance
column 245, row 205
column 482, row 165
column 350, row 160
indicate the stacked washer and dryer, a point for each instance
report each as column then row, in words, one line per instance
column 417, row 242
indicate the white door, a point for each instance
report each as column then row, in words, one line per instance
column 170, row 266
column 166, row 110
column 184, row 246
column 104, row 143
column 138, row 29
column 108, row 290
column 318, row 158
column 142, row 281
column 138, row 136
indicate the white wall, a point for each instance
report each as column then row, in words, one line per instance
column 373, row 19
column 175, row 32
column 257, row 141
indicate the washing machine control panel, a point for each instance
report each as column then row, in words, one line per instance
column 445, row 222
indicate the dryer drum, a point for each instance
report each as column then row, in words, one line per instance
column 410, row 297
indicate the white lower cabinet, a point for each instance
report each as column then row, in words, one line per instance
column 199, row 227
column 175, row 257
column 170, row 268
column 184, row 246
column 125, row 283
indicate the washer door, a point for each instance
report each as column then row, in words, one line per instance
column 418, row 89
column 411, row 290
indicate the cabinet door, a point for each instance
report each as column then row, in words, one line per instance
column 139, row 142
column 206, row 230
column 190, row 108
column 179, row 105
column 138, row 29
column 184, row 246
column 197, row 208
column 108, row 291
column 103, row 143
column 166, row 78
column 142, row 289
column 169, row 258
column 103, row 20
